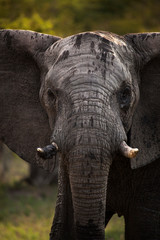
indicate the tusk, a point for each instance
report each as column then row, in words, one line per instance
column 127, row 151
column 49, row 151
column 55, row 145
column 40, row 150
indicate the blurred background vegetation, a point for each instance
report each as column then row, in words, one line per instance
column 26, row 211
column 66, row 17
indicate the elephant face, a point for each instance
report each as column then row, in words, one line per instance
column 89, row 73
column 81, row 94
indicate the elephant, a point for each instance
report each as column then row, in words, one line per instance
column 87, row 99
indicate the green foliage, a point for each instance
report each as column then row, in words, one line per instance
column 35, row 22
column 65, row 17
column 26, row 212
column 115, row 229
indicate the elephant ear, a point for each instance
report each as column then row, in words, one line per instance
column 145, row 130
column 23, row 122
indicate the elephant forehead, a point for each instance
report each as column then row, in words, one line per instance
column 92, row 43
column 87, row 43
column 73, row 46
column 90, row 55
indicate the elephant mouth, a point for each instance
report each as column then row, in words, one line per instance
column 49, row 151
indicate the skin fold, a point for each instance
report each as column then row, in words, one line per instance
column 78, row 99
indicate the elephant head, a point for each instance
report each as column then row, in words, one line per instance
column 87, row 96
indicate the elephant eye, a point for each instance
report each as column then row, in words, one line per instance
column 52, row 96
column 125, row 98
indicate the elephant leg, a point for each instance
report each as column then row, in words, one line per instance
column 142, row 223
column 142, row 216
column 63, row 222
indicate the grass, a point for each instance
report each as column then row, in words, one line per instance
column 115, row 229
column 26, row 212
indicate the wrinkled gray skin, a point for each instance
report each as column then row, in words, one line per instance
column 82, row 92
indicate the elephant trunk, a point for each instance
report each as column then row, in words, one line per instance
column 88, row 174
column 90, row 148
column 91, row 145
